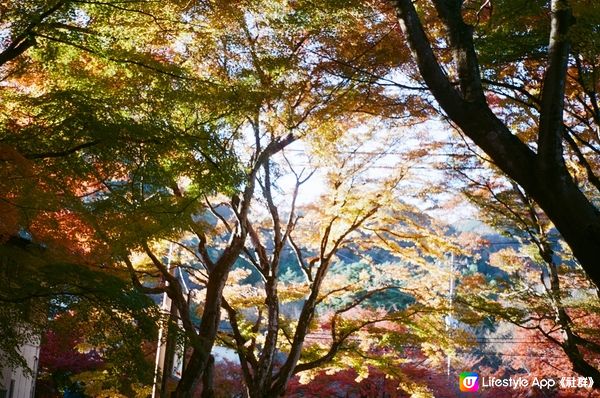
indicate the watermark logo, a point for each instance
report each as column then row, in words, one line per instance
column 469, row 381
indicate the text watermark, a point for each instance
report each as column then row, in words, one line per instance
column 472, row 382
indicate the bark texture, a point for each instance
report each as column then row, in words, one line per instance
column 542, row 174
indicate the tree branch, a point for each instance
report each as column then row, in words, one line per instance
column 25, row 39
column 550, row 156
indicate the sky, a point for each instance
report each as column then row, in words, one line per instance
column 390, row 155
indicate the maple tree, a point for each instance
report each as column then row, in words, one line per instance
column 348, row 214
column 60, row 358
column 346, row 218
column 124, row 124
column 87, row 165
column 38, row 285
column 287, row 96
column 282, row 96
column 105, row 354
column 358, row 212
column 543, row 289
column 480, row 55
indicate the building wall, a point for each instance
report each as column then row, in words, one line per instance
column 23, row 384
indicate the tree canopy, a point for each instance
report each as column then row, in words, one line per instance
column 290, row 152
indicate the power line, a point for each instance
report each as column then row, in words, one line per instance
column 384, row 153
column 420, row 167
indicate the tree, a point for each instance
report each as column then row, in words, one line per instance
column 96, row 353
column 89, row 158
column 60, row 358
column 538, row 293
column 99, row 351
column 542, row 172
column 118, row 137
column 347, row 213
column 202, row 339
column 22, row 19
column 93, row 157
column 40, row 291
column 359, row 211
column 281, row 93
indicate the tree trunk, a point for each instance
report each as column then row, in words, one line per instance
column 575, row 217
column 542, row 175
column 208, row 388
column 569, row 346
column 306, row 316
column 217, row 277
column 192, row 374
column 263, row 376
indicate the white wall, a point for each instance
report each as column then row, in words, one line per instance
column 23, row 384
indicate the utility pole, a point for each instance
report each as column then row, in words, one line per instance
column 167, row 351
column 449, row 318
column 164, row 353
